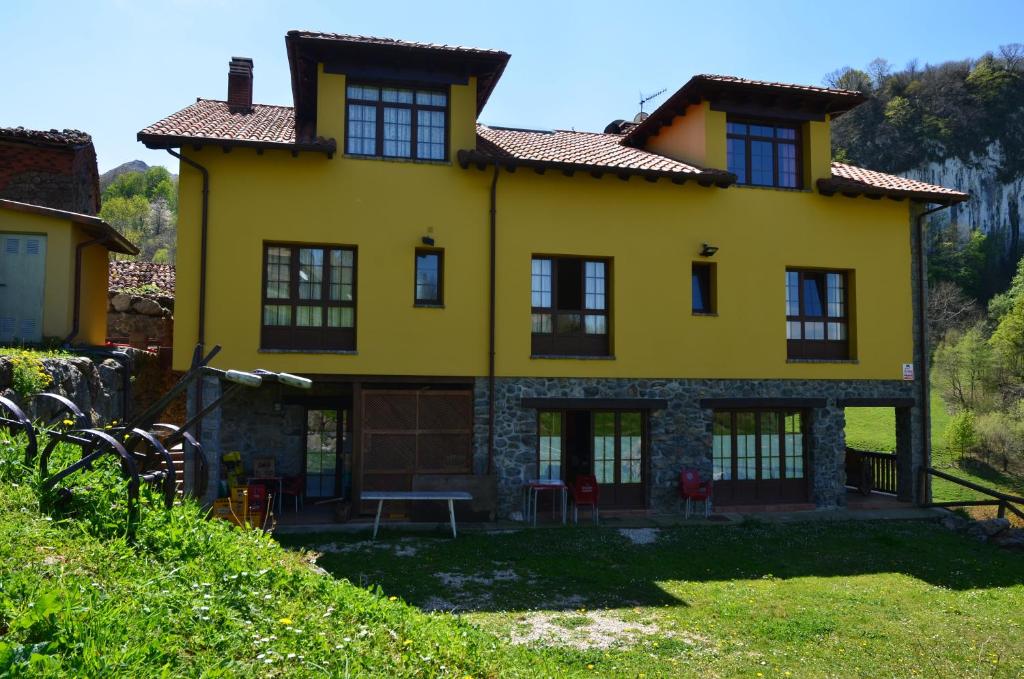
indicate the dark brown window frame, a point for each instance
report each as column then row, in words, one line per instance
column 413, row 107
column 301, row 338
column 797, row 143
column 782, row 414
column 439, row 300
column 820, row 349
column 710, row 288
column 555, row 344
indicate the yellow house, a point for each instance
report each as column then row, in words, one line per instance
column 53, row 274
column 485, row 307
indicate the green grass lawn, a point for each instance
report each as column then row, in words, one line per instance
column 875, row 429
column 754, row 600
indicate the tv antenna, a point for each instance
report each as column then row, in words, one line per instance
column 646, row 98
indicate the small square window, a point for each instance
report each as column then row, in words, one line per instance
column 702, row 288
column 429, row 277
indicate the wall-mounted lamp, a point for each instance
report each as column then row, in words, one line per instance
column 428, row 241
column 708, row 250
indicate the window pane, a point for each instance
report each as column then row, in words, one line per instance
column 541, row 323
column 761, row 131
column 341, row 287
column 737, row 159
column 721, row 447
column 746, row 446
column 277, row 314
column 836, row 295
column 541, row 283
column 594, row 285
column 630, row 447
column 340, row 317
column 309, row 316
column 770, row 454
column 794, row 442
column 278, row 273
column 550, row 450
column 761, row 163
column 430, row 135
column 428, row 270
column 792, row 293
column 311, row 272
column 364, row 93
column 604, row 447
column 793, row 330
column 837, row 331
column 595, row 325
column 787, row 165
column 700, row 289
column 814, row 331
column 736, row 128
column 396, row 96
column 785, row 133
column 569, row 324
column 362, row 130
column 397, row 132
column 427, row 98
column 812, row 295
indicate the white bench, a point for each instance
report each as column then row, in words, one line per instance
column 445, row 495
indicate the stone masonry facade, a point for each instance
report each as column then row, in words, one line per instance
column 49, row 168
column 680, row 434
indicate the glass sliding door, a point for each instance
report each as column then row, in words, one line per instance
column 549, row 452
column 618, row 446
column 759, row 457
column 324, row 434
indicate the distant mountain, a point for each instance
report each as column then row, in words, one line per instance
column 131, row 166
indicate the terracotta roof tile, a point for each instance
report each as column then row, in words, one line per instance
column 54, row 137
column 371, row 40
column 585, row 151
column 851, row 180
column 125, row 274
column 770, row 84
column 211, row 121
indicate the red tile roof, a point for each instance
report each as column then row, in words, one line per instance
column 391, row 42
column 211, row 122
column 710, row 77
column 582, row 151
column 855, row 181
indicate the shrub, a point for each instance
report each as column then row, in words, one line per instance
column 28, row 376
column 961, row 433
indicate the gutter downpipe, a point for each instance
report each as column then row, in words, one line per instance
column 922, row 340
column 201, row 334
column 77, row 313
column 491, row 321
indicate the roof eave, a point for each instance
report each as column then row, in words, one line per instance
column 164, row 141
column 112, row 238
column 831, row 187
column 468, row 157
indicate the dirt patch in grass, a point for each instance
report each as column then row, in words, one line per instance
column 581, row 630
column 640, row 536
column 400, row 547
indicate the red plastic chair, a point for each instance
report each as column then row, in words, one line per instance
column 292, row 485
column 585, row 492
column 691, row 488
column 259, row 504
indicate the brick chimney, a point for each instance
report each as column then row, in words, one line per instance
column 240, row 85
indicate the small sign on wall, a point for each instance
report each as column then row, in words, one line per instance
column 908, row 372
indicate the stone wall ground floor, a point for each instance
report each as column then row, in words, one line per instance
column 679, row 416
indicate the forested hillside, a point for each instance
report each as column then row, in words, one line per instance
column 143, row 205
column 961, row 124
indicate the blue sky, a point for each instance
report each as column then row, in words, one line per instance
column 111, row 68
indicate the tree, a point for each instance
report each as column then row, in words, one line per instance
column 961, row 435
column 128, row 215
column 963, row 369
column 949, row 309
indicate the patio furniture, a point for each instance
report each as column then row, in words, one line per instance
column 292, row 486
column 531, row 495
column 275, row 482
column 403, row 495
column 691, row 488
column 585, row 492
column 258, row 505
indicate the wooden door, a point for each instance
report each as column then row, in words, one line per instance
column 22, row 277
column 759, row 457
column 619, row 457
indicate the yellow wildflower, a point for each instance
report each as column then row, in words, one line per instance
column 68, row 423
column 285, row 621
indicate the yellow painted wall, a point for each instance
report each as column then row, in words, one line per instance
column 62, row 236
column 652, row 232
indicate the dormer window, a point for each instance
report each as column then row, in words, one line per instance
column 764, row 154
column 395, row 122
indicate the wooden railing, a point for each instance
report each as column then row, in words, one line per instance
column 871, row 471
column 1003, row 501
